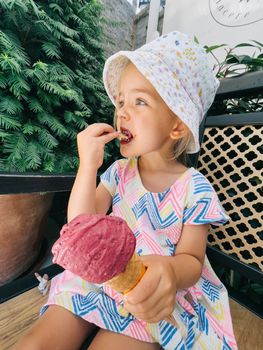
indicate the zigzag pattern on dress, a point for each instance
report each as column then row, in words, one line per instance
column 171, row 247
column 148, row 207
column 108, row 175
column 225, row 345
column 167, row 333
column 145, row 241
column 211, row 290
column 198, row 213
column 202, row 324
column 201, row 184
column 116, row 199
column 190, row 338
column 202, row 212
column 83, row 305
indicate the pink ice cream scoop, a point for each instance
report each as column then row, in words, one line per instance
column 95, row 247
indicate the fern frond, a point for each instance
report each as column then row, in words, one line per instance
column 8, row 122
column 3, row 134
column 76, row 47
column 35, row 105
column 9, row 63
column 30, row 129
column 5, row 43
column 66, row 163
column 3, row 81
column 47, row 99
column 15, row 145
column 76, row 118
column 57, row 8
column 10, row 4
column 43, row 26
column 50, row 162
column 76, row 19
column 10, row 44
column 32, row 156
column 46, row 139
column 57, row 89
column 61, row 72
column 10, row 105
column 40, row 70
column 51, row 50
column 53, row 123
column 18, row 86
column 60, row 27
column 35, row 8
column 83, row 106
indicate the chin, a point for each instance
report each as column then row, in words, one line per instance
column 127, row 153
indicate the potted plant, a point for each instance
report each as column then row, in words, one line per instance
column 51, row 61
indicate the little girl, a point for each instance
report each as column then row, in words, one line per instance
column 161, row 93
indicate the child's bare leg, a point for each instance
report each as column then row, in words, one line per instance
column 56, row 329
column 106, row 340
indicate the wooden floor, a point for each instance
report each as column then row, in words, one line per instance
column 17, row 314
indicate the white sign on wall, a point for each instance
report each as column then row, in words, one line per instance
column 216, row 22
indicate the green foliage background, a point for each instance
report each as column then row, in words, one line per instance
column 235, row 64
column 51, row 62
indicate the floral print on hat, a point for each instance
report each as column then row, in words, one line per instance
column 179, row 70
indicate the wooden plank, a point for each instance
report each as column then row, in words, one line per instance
column 18, row 314
column 247, row 327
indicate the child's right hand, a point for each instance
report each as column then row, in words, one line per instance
column 91, row 142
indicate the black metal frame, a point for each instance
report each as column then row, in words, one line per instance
column 215, row 256
column 25, row 183
column 30, row 183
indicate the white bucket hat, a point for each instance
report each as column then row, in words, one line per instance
column 179, row 70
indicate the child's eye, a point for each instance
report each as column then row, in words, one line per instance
column 140, row 102
column 120, row 104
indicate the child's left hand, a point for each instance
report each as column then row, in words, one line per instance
column 153, row 299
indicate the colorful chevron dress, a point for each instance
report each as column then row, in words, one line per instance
column 202, row 311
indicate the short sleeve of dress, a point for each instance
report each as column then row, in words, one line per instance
column 203, row 205
column 110, row 178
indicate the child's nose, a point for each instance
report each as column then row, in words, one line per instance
column 123, row 113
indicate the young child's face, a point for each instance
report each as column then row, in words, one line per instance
column 142, row 116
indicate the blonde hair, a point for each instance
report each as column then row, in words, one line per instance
column 180, row 148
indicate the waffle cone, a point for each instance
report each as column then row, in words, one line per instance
column 127, row 280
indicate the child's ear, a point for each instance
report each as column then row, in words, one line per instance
column 179, row 130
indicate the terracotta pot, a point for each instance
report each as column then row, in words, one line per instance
column 22, row 223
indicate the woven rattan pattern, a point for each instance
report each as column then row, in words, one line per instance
column 231, row 159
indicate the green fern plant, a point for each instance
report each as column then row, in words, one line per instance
column 51, row 61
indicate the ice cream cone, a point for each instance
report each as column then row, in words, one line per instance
column 127, row 280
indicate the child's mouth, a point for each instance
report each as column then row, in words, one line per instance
column 126, row 136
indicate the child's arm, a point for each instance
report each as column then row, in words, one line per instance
column 153, row 299
column 84, row 197
column 190, row 254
